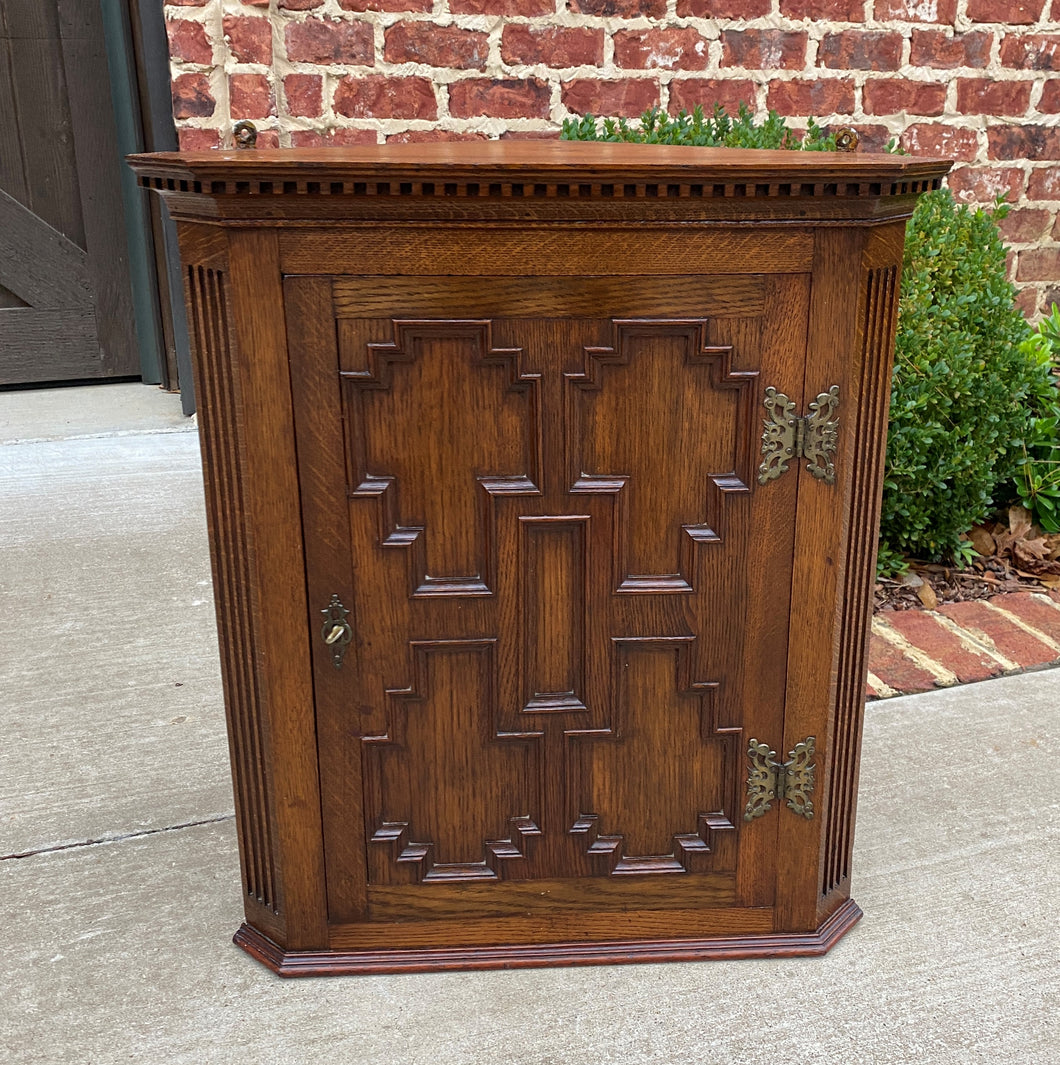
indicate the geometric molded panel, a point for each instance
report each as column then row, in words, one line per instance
column 441, row 421
column 448, row 797
column 654, row 789
column 553, row 569
column 661, row 421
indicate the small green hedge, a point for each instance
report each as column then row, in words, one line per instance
column 963, row 386
column 1038, row 476
column 719, row 130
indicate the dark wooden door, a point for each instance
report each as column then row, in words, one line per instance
column 538, row 499
column 65, row 300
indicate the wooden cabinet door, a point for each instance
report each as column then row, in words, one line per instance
column 538, row 499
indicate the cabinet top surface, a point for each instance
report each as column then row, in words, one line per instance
column 546, row 181
column 546, row 160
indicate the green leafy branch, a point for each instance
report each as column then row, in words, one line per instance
column 718, row 130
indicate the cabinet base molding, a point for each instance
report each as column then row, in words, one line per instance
column 536, row 955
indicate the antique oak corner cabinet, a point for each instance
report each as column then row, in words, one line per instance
column 542, row 486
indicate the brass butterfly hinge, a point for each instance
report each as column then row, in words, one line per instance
column 788, row 435
column 770, row 779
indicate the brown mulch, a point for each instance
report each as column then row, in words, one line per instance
column 1011, row 556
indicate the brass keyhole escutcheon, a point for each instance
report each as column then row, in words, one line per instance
column 336, row 632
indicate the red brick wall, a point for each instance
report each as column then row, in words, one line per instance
column 975, row 79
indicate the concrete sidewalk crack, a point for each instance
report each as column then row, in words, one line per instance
column 102, row 840
column 108, row 435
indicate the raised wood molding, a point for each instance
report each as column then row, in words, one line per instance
column 715, row 948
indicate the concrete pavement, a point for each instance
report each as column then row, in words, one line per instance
column 119, row 887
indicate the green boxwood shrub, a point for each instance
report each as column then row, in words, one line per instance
column 720, row 130
column 961, row 396
column 1038, row 476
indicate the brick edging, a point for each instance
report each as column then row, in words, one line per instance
column 918, row 650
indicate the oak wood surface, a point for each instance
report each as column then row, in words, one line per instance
column 524, row 897
column 577, row 251
column 449, row 295
column 509, row 411
column 601, row 926
column 559, row 182
column 550, row 523
column 277, row 582
column 876, row 319
column 220, row 415
column 455, row 161
column 527, row 955
column 819, row 558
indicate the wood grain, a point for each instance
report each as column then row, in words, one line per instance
column 41, row 88
column 560, row 182
column 317, row 404
column 514, row 897
column 549, row 163
column 571, row 251
column 580, row 297
column 12, row 170
column 820, row 557
column 225, row 479
column 59, row 344
column 877, row 321
column 96, row 157
column 38, row 263
column 277, row 582
column 676, row 389
column 601, row 926
column 762, row 945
